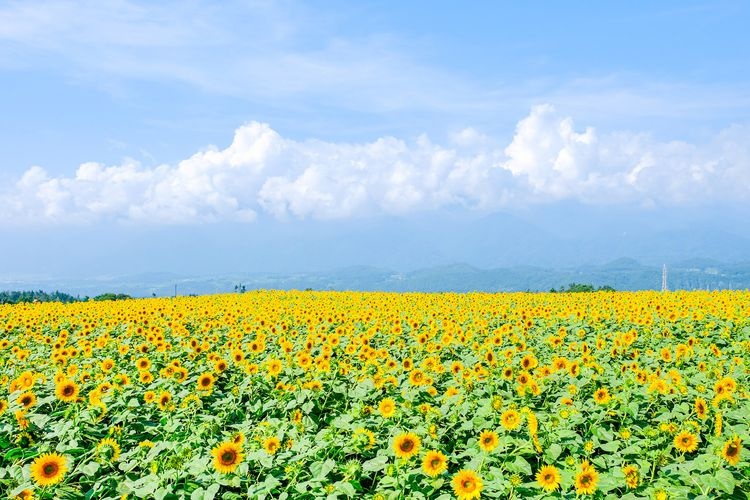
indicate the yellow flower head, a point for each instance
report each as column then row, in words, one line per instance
column 227, row 457
column 434, row 463
column 510, row 419
column 48, row 469
column 488, row 440
column 686, row 442
column 586, row 479
column 387, row 408
column 731, row 450
column 406, row 445
column 548, row 478
column 467, row 485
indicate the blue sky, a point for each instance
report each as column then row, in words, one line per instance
column 126, row 118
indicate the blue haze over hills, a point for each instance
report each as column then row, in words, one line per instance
column 525, row 250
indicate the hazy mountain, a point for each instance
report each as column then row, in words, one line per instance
column 622, row 274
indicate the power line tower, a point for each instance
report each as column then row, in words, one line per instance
column 664, row 287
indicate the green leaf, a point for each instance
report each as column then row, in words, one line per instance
column 610, row 447
column 376, row 464
column 346, row 488
column 554, row 451
column 90, row 468
column 725, row 481
column 320, row 470
column 607, row 482
column 211, row 492
column 13, row 454
column 521, row 465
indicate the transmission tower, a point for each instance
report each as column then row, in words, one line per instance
column 664, row 287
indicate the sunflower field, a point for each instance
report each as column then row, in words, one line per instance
column 275, row 394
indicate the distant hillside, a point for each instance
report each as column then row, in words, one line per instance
column 621, row 274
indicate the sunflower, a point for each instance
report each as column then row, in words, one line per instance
column 631, row 476
column 274, row 367
column 238, row 355
column 586, row 480
column 48, row 469
column 601, row 396
column 239, row 438
column 488, row 440
column 108, row 446
column 66, row 391
column 548, row 478
column 718, row 424
column 416, row 377
column 164, row 399
column 731, row 450
column 686, row 441
column 206, row 382
column 21, row 419
column 27, row 399
column 143, row 364
column 701, row 408
column 387, row 408
column 434, row 463
column 271, row 445
column 364, row 437
column 25, row 495
column 406, row 445
column 523, row 378
column 227, row 456
column 467, row 485
column 180, row 374
column 149, row 396
column 511, row 419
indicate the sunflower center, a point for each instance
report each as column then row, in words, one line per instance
column 585, row 480
column 228, row 457
column 407, row 445
column 67, row 390
column 468, row 485
column 547, row 478
column 50, row 469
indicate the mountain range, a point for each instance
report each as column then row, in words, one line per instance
column 621, row 274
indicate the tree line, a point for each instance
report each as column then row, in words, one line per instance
column 16, row 297
column 582, row 287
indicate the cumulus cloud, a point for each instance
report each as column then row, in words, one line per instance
column 260, row 172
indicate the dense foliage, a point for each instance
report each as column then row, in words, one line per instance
column 16, row 297
column 375, row 395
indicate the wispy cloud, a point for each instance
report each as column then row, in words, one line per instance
column 275, row 52
column 548, row 159
column 294, row 57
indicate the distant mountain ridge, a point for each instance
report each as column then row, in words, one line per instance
column 622, row 274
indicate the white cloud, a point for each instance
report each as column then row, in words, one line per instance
column 547, row 159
